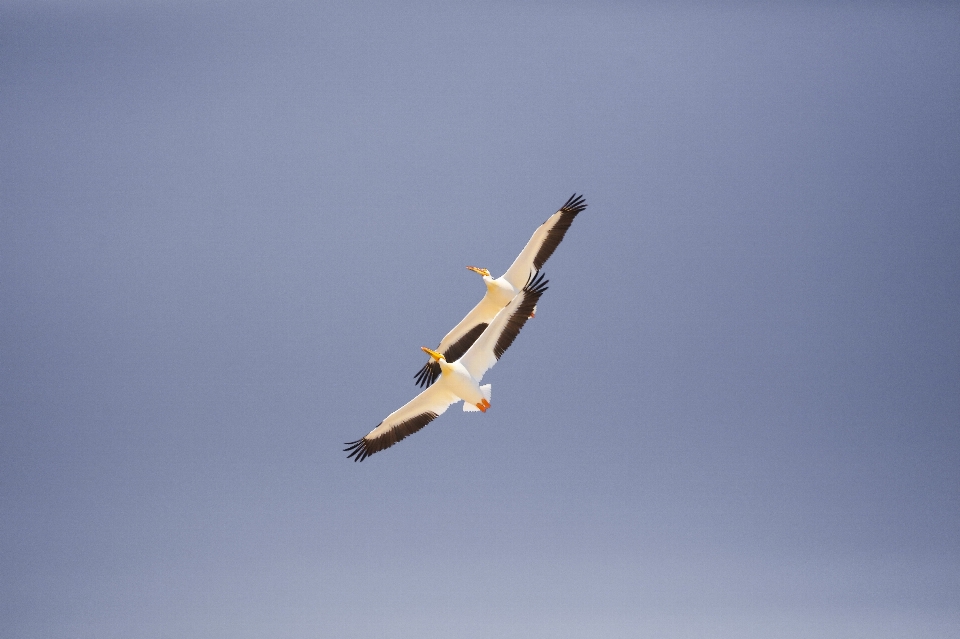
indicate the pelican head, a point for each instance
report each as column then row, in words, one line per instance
column 482, row 271
column 434, row 354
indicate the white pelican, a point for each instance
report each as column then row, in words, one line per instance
column 458, row 380
column 502, row 289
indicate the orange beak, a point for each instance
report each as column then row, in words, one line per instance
column 434, row 354
column 479, row 271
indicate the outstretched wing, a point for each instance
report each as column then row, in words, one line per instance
column 455, row 343
column 504, row 328
column 544, row 242
column 431, row 370
column 408, row 419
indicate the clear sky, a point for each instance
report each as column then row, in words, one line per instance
column 227, row 228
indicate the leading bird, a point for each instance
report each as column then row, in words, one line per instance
column 503, row 289
column 458, row 380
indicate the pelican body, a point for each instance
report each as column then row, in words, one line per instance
column 501, row 290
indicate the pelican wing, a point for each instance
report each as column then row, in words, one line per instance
column 504, row 328
column 458, row 340
column 544, row 242
column 408, row 419
column 431, row 370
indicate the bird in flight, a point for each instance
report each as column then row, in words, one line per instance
column 503, row 289
column 457, row 380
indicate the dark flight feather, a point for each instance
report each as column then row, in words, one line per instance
column 535, row 287
column 364, row 447
column 555, row 235
column 431, row 370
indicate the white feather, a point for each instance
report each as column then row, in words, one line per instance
column 470, row 408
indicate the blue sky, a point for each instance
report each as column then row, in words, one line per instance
column 227, row 228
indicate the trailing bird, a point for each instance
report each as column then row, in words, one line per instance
column 503, row 289
column 458, row 380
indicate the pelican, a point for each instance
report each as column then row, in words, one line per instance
column 502, row 289
column 458, row 380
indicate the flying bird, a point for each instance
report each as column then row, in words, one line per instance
column 458, row 380
column 503, row 289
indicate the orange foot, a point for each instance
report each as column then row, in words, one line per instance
column 482, row 408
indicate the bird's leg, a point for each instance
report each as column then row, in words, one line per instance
column 533, row 313
column 482, row 408
column 486, row 404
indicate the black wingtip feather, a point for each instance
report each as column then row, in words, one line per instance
column 574, row 205
column 359, row 449
column 428, row 374
column 431, row 370
column 536, row 285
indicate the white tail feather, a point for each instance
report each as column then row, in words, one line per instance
column 470, row 408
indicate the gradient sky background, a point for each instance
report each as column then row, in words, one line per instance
column 227, row 228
